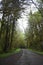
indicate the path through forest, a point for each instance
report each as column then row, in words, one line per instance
column 25, row 57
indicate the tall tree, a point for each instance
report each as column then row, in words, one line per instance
column 11, row 11
column 34, row 31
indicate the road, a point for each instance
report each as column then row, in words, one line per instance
column 30, row 58
column 26, row 57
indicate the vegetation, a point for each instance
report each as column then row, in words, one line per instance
column 10, row 36
column 36, row 51
column 34, row 32
column 11, row 52
column 11, row 12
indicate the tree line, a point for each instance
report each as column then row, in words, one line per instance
column 10, row 11
column 34, row 31
column 9, row 37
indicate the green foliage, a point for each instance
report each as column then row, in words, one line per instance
column 34, row 35
column 9, row 37
column 11, row 12
column 18, row 40
column 40, row 7
column 37, row 51
column 11, row 52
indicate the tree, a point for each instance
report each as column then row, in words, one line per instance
column 35, row 31
column 11, row 12
column 39, row 6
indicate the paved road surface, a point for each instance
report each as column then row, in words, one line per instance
column 26, row 57
column 30, row 58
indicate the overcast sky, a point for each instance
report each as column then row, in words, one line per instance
column 22, row 22
column 0, row 0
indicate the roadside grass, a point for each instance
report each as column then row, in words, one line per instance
column 36, row 51
column 11, row 52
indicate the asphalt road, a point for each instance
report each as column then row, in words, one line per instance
column 26, row 57
column 30, row 58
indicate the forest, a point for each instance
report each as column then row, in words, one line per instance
column 10, row 35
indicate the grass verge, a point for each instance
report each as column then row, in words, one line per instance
column 36, row 51
column 11, row 52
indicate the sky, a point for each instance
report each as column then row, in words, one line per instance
column 0, row 14
column 22, row 22
column 0, row 0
